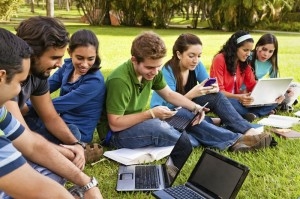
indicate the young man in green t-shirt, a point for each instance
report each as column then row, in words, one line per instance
column 129, row 87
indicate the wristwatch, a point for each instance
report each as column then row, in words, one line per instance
column 91, row 184
column 80, row 143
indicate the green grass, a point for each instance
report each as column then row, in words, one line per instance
column 274, row 172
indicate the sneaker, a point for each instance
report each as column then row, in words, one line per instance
column 250, row 117
column 239, row 147
column 251, row 142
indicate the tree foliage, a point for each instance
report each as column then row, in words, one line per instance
column 93, row 10
column 8, row 8
column 245, row 14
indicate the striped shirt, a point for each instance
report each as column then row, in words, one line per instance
column 10, row 129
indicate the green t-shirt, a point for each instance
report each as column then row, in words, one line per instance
column 125, row 95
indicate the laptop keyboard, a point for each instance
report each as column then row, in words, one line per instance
column 183, row 192
column 178, row 122
column 146, row 177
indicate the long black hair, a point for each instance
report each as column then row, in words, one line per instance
column 229, row 50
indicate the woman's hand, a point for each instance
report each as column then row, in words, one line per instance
column 245, row 99
column 200, row 89
column 280, row 99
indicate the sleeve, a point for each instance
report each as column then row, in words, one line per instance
column 156, row 100
column 201, row 72
column 10, row 126
column 118, row 96
column 10, row 158
column 218, row 69
column 87, row 90
column 249, row 79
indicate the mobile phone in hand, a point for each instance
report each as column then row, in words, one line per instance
column 210, row 81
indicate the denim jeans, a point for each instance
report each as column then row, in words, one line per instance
column 36, row 124
column 258, row 111
column 156, row 132
column 220, row 105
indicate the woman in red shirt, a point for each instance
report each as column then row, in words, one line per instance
column 232, row 69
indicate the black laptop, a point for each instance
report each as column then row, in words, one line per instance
column 182, row 123
column 214, row 176
column 155, row 177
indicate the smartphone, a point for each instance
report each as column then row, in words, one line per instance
column 204, row 105
column 176, row 108
column 210, row 81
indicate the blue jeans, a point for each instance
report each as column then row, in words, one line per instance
column 258, row 111
column 156, row 132
column 220, row 105
column 36, row 124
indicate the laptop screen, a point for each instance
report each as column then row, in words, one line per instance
column 177, row 158
column 219, row 175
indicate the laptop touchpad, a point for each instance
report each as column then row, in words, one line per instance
column 126, row 176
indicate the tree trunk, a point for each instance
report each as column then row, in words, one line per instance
column 32, row 6
column 50, row 8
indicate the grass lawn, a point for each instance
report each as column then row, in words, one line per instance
column 274, row 172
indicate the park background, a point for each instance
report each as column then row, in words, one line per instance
column 274, row 172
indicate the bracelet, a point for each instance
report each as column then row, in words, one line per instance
column 79, row 143
column 152, row 114
column 196, row 109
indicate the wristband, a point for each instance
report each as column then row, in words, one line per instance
column 80, row 143
column 152, row 114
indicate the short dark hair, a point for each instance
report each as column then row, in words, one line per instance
column 85, row 37
column 43, row 32
column 12, row 52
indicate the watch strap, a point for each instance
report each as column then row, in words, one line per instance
column 91, row 184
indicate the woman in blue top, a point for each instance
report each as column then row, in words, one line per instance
column 186, row 75
column 81, row 84
column 264, row 63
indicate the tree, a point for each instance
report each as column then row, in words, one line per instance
column 50, row 8
column 245, row 14
column 93, row 10
column 8, row 8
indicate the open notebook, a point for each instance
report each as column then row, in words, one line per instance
column 155, row 177
column 214, row 176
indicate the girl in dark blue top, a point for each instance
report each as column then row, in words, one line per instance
column 81, row 84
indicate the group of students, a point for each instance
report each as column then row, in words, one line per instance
column 68, row 121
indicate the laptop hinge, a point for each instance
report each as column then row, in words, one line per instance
column 206, row 193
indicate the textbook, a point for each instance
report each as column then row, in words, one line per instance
column 138, row 156
column 286, row 133
column 279, row 121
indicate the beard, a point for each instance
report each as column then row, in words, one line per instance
column 34, row 70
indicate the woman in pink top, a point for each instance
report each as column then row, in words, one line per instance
column 232, row 69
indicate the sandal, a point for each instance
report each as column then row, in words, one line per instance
column 93, row 152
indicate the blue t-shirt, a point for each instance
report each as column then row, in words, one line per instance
column 80, row 102
column 10, row 129
column 156, row 100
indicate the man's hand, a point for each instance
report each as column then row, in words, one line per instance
column 163, row 112
column 79, row 159
column 93, row 193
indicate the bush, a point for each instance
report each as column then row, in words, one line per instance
column 8, row 8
